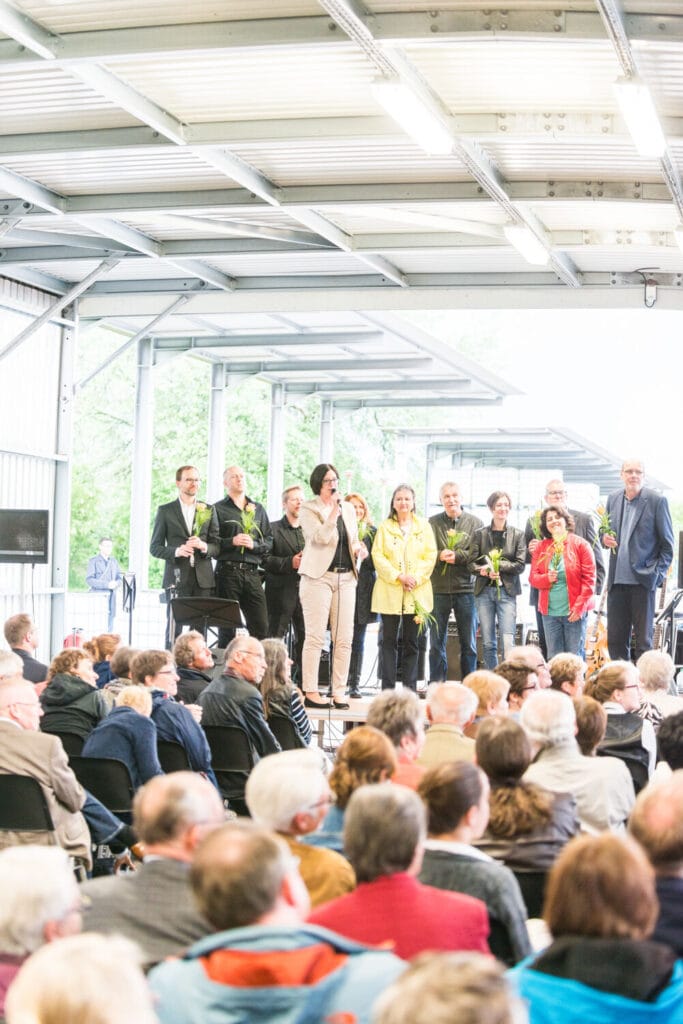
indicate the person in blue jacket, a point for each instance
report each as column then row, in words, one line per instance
column 602, row 965
column 129, row 735
column 176, row 722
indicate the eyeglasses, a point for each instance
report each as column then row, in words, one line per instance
column 632, row 686
column 557, row 493
column 330, row 480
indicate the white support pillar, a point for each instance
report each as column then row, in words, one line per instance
column 429, row 476
column 326, row 430
column 216, row 452
column 61, row 513
column 276, row 452
column 141, row 489
column 401, row 458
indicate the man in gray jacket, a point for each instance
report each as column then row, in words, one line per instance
column 453, row 585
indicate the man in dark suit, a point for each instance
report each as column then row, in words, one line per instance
column 22, row 636
column 186, row 547
column 154, row 905
column 282, row 575
column 641, row 547
column 556, row 494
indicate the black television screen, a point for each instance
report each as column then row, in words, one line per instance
column 24, row 535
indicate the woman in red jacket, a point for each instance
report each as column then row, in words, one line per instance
column 563, row 570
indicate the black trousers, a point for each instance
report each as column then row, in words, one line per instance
column 238, row 583
column 284, row 611
column 629, row 607
column 409, row 636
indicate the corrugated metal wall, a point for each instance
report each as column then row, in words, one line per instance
column 28, row 410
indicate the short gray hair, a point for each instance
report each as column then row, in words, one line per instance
column 283, row 785
column 396, row 713
column 655, row 668
column 166, row 806
column 451, row 703
column 10, row 665
column 384, row 825
column 439, row 988
column 548, row 718
column 37, row 885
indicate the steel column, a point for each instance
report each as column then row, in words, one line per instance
column 215, row 455
column 61, row 510
column 141, row 482
column 326, row 430
column 276, row 450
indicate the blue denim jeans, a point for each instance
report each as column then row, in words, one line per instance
column 497, row 618
column 563, row 636
column 103, row 825
column 466, row 621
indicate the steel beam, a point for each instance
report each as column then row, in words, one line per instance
column 31, row 192
column 58, row 306
column 205, row 273
column 315, row 338
column 356, row 387
column 397, row 363
column 26, row 32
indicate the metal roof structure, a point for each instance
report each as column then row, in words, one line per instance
column 577, row 458
column 232, row 154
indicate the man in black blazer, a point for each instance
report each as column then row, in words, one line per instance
column 282, row 574
column 556, row 494
column 641, row 549
column 186, row 548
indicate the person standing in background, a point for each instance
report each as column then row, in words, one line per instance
column 104, row 574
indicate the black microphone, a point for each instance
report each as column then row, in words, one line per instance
column 334, row 491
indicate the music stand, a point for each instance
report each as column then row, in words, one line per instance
column 129, row 591
column 203, row 613
column 670, row 613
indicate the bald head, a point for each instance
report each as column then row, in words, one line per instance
column 451, row 704
column 11, row 666
column 171, row 813
column 657, row 823
column 19, row 702
column 246, row 658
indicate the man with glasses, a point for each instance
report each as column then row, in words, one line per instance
column 186, row 547
column 246, row 541
column 531, row 657
column 523, row 682
column 640, row 542
column 234, row 698
column 584, row 527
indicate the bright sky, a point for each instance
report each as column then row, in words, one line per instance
column 614, row 376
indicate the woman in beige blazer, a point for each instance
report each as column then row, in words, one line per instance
column 328, row 583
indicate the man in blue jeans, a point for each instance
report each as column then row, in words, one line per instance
column 453, row 584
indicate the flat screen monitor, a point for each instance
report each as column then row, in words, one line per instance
column 24, row 535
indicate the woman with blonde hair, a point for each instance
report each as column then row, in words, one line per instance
column 366, row 581
column 365, row 757
column 128, row 734
column 628, row 736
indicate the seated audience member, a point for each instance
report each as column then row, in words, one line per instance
column 120, row 666
column 591, row 722
column 532, row 658
column 442, row 988
column 456, row 795
column 101, row 649
column 602, row 964
column 528, row 825
column 71, row 701
column 522, row 681
column 24, row 750
column 657, row 823
column 601, row 786
column 22, row 636
column 194, row 662
column 11, row 667
column 289, row 794
column 567, row 674
column 153, row 905
column 628, row 736
column 656, row 671
column 399, row 715
column 365, row 757
column 175, row 722
column 280, row 695
column 384, row 834
column 234, row 699
column 492, row 693
column 40, row 903
column 88, row 979
column 129, row 735
column 264, row 962
column 670, row 742
column 450, row 709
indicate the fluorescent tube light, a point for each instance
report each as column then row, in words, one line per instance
column 638, row 111
column 527, row 244
column 413, row 116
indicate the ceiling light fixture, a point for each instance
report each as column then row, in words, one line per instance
column 638, row 111
column 527, row 244
column 414, row 116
